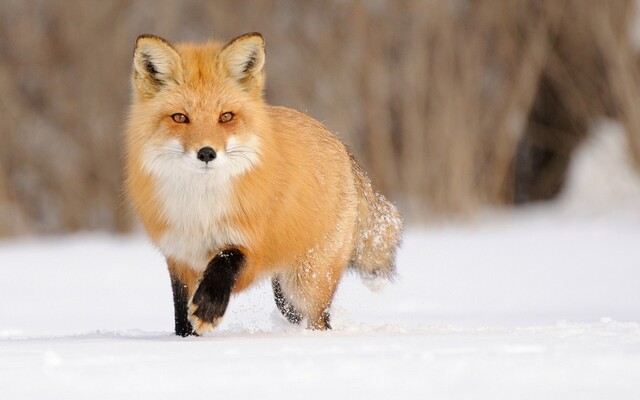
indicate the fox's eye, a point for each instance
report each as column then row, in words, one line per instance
column 226, row 117
column 180, row 118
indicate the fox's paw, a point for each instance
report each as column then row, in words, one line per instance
column 202, row 319
column 211, row 298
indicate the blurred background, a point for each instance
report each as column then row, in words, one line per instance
column 452, row 106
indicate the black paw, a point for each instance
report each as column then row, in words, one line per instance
column 211, row 299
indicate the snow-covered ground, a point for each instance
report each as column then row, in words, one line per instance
column 540, row 303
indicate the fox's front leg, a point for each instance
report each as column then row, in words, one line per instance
column 180, row 307
column 184, row 281
column 211, row 298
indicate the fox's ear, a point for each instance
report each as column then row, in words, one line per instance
column 242, row 60
column 156, row 65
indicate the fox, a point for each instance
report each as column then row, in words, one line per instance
column 233, row 191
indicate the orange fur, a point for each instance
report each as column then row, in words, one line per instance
column 292, row 197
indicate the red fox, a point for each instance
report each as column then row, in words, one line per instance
column 231, row 189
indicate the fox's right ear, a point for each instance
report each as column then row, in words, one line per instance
column 156, row 65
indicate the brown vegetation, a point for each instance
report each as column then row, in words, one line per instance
column 450, row 105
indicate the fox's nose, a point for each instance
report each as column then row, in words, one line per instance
column 206, row 154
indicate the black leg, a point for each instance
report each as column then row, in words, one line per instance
column 180, row 308
column 286, row 308
column 213, row 294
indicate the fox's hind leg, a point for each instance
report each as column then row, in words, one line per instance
column 306, row 292
column 283, row 302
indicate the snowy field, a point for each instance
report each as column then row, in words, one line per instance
column 541, row 303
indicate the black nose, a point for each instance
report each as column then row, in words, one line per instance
column 206, row 154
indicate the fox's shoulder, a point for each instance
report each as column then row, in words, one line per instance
column 289, row 121
column 305, row 141
column 289, row 116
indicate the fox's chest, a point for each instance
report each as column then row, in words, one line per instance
column 195, row 209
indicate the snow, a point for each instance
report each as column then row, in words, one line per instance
column 538, row 303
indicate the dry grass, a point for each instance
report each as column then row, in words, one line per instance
column 450, row 105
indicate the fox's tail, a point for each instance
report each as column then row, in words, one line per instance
column 378, row 234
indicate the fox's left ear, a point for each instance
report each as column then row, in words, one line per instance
column 242, row 60
column 156, row 65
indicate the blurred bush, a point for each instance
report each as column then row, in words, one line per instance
column 450, row 105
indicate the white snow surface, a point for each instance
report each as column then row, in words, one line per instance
column 540, row 303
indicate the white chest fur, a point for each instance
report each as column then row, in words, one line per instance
column 194, row 202
column 194, row 209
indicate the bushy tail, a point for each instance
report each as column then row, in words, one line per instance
column 378, row 234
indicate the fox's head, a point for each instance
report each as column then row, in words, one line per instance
column 197, row 108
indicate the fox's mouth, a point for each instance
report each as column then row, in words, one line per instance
column 205, row 169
